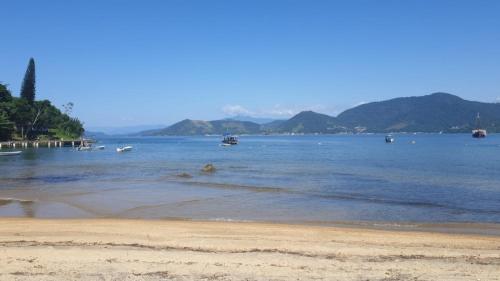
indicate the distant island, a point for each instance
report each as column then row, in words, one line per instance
column 434, row 113
column 24, row 118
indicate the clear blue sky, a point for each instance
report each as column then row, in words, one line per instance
column 156, row 62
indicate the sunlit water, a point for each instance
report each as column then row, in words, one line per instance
column 439, row 178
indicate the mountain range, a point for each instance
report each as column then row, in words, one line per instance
column 123, row 130
column 438, row 112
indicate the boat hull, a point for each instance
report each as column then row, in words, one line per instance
column 10, row 153
column 479, row 134
column 124, row 149
column 230, row 140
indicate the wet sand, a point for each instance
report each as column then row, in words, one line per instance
column 122, row 249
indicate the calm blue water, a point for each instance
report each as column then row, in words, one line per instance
column 440, row 178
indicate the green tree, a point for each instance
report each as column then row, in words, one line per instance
column 6, row 127
column 5, row 95
column 24, row 118
column 21, row 113
column 28, row 87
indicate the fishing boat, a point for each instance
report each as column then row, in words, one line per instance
column 478, row 133
column 124, row 149
column 229, row 140
column 389, row 139
column 10, row 153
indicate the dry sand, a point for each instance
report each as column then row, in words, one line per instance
column 112, row 249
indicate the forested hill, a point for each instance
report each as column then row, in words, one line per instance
column 431, row 113
column 25, row 118
column 438, row 112
column 197, row 127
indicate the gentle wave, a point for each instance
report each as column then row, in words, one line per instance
column 338, row 196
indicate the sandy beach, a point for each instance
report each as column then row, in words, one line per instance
column 112, row 249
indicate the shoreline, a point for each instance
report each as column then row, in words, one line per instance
column 131, row 249
column 451, row 227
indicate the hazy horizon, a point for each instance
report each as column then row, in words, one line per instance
column 129, row 64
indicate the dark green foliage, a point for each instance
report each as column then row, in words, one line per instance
column 272, row 126
column 6, row 126
column 5, row 95
column 25, row 118
column 235, row 127
column 22, row 119
column 309, row 122
column 28, row 86
column 196, row 127
column 431, row 113
column 69, row 127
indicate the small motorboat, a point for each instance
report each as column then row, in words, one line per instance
column 84, row 148
column 100, row 147
column 389, row 139
column 229, row 140
column 85, row 145
column 10, row 153
column 123, row 149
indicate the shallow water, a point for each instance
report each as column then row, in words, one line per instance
column 440, row 178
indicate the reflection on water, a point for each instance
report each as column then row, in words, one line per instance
column 300, row 178
column 5, row 202
column 27, row 206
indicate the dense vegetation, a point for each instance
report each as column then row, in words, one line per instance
column 196, row 127
column 309, row 122
column 24, row 118
column 437, row 112
column 432, row 113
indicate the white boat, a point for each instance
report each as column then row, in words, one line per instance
column 389, row 139
column 123, row 149
column 100, row 147
column 84, row 148
column 10, row 153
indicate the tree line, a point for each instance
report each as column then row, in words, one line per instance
column 25, row 118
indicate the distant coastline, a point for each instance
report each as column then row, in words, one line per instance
column 100, row 135
column 435, row 113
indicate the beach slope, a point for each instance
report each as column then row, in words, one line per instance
column 112, row 249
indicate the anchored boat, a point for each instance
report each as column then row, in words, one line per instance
column 10, row 153
column 123, row 149
column 85, row 145
column 478, row 133
column 389, row 139
column 84, row 148
column 229, row 140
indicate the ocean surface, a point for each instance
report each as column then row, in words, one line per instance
column 311, row 179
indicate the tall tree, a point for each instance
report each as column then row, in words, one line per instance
column 28, row 87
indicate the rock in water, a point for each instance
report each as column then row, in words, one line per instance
column 209, row 168
column 184, row 175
